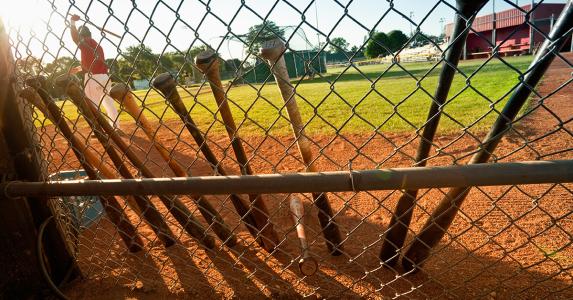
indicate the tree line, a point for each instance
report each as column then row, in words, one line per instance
column 140, row 62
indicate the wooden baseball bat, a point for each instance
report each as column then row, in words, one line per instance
column 167, row 86
column 122, row 94
column 144, row 208
column 307, row 264
column 443, row 215
column 112, row 207
column 273, row 51
column 400, row 221
column 179, row 211
column 208, row 63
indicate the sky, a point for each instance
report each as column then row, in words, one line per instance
column 179, row 24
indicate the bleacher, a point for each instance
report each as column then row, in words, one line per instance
column 419, row 54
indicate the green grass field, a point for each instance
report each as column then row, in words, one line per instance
column 350, row 102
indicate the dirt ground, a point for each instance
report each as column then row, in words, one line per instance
column 507, row 241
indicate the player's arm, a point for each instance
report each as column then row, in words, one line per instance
column 74, row 29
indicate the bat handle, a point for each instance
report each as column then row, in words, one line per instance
column 307, row 264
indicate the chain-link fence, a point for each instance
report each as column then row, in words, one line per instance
column 276, row 110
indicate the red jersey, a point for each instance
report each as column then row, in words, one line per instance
column 93, row 60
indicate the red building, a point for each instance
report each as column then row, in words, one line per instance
column 512, row 34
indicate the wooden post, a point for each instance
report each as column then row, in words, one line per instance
column 20, row 218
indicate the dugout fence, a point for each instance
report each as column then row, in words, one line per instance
column 441, row 179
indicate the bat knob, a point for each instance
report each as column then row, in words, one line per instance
column 36, row 82
column 164, row 82
column 30, row 93
column 64, row 80
column 119, row 90
column 308, row 266
column 272, row 49
column 205, row 57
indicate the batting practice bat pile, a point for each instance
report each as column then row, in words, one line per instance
column 253, row 211
column 87, row 158
column 168, row 87
column 99, row 123
column 124, row 97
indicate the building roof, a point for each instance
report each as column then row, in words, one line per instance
column 512, row 17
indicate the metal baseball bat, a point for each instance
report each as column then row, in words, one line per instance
column 112, row 207
column 307, row 264
column 179, row 211
column 208, row 63
column 273, row 51
column 398, row 227
column 143, row 206
column 122, row 94
column 443, row 216
column 167, row 86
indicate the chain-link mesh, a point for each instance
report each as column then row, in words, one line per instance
column 283, row 103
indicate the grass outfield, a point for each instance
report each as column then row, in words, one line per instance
column 350, row 102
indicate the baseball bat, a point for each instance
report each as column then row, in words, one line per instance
column 144, row 207
column 179, row 211
column 122, row 94
column 101, row 28
column 442, row 217
column 208, row 63
column 112, row 207
column 273, row 51
column 400, row 221
column 167, row 86
column 307, row 264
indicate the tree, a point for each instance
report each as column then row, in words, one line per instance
column 396, row 40
column 422, row 39
column 377, row 45
column 233, row 65
column 140, row 61
column 59, row 66
column 319, row 47
column 338, row 45
column 193, row 52
column 260, row 33
column 179, row 62
column 29, row 65
column 358, row 51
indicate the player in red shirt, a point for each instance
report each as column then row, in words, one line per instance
column 96, row 79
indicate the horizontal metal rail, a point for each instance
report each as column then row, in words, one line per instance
column 529, row 172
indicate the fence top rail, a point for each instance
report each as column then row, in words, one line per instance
column 528, row 172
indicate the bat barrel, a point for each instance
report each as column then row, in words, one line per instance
column 205, row 58
column 273, row 51
column 118, row 91
column 141, row 204
column 442, row 217
column 175, row 206
column 166, row 84
column 402, row 216
column 113, row 209
column 122, row 94
column 207, row 62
